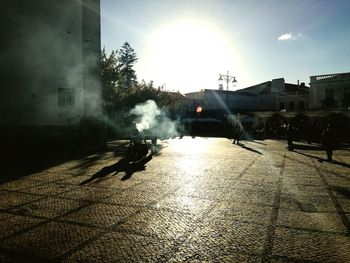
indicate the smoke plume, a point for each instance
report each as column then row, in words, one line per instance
column 151, row 120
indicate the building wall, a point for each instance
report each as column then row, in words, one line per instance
column 266, row 102
column 49, row 66
column 291, row 102
column 339, row 84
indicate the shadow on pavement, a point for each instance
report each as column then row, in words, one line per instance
column 259, row 142
column 123, row 165
column 248, row 148
column 345, row 192
column 309, row 147
column 25, row 159
column 321, row 160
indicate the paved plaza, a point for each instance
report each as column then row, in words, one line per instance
column 196, row 200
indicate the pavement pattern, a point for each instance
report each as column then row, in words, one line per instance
column 196, row 200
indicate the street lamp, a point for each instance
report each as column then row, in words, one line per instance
column 227, row 78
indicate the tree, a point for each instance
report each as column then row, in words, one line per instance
column 120, row 88
column 127, row 59
column 110, row 71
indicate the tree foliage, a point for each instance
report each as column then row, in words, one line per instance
column 120, row 87
column 127, row 59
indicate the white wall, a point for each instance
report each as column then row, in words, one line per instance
column 42, row 53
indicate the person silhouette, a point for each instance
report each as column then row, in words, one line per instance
column 329, row 141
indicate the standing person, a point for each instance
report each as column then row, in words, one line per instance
column 290, row 136
column 236, row 133
column 329, row 141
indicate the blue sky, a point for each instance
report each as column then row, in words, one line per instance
column 186, row 44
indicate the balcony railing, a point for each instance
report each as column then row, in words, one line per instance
column 338, row 76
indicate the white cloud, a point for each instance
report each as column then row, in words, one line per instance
column 286, row 36
column 290, row 36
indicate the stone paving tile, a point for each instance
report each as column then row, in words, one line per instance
column 50, row 240
column 87, row 193
column 238, row 257
column 345, row 204
column 192, row 190
column 159, row 223
column 224, row 236
column 123, row 247
column 12, row 199
column 253, row 186
column 310, row 190
column 19, row 184
column 250, row 196
column 267, row 179
column 16, row 258
column 211, row 201
column 185, row 204
column 10, row 223
column 341, row 191
column 338, row 181
column 320, row 247
column 51, row 175
column 265, row 175
column 291, row 174
column 49, row 207
column 205, row 183
column 303, row 181
column 115, row 182
column 75, row 180
column 133, row 198
column 49, row 189
column 311, row 221
column 305, row 203
column 153, row 186
column 243, row 212
column 102, row 215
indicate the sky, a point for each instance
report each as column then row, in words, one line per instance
column 185, row 45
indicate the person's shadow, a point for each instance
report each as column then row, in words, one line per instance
column 248, row 148
column 123, row 165
column 321, row 160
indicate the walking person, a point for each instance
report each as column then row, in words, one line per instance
column 291, row 131
column 329, row 141
column 236, row 133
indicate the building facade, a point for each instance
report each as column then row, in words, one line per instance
column 272, row 95
column 50, row 71
column 330, row 91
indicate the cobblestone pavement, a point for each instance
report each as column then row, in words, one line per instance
column 201, row 199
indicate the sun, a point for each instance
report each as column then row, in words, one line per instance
column 188, row 55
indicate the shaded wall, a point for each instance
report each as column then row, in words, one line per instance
column 49, row 72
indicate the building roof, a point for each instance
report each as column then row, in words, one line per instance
column 264, row 87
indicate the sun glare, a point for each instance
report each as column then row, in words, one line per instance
column 188, row 55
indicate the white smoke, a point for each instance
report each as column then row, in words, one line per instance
column 151, row 120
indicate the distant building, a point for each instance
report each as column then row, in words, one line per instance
column 330, row 91
column 267, row 96
column 50, row 72
column 278, row 95
column 222, row 100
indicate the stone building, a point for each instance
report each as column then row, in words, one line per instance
column 50, row 73
column 330, row 91
column 272, row 95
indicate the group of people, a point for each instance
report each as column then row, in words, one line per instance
column 328, row 139
column 138, row 148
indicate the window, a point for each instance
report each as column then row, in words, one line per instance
column 65, row 97
column 301, row 105
column 291, row 105
column 347, row 97
column 282, row 106
column 329, row 97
